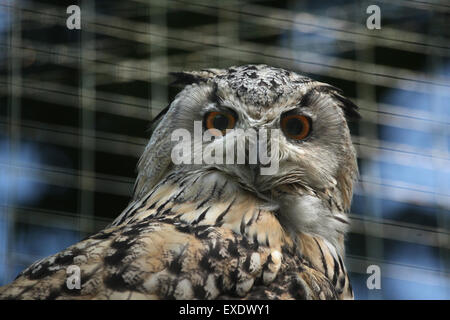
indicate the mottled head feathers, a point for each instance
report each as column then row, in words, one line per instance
column 262, row 84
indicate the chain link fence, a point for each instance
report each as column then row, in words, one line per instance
column 75, row 105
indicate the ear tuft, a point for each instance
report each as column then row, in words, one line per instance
column 350, row 109
column 190, row 77
column 186, row 78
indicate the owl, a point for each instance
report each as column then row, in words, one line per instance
column 219, row 226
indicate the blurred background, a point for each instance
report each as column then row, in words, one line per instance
column 75, row 107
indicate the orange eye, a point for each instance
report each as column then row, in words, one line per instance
column 220, row 121
column 296, row 126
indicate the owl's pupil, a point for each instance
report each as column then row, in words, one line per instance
column 220, row 122
column 294, row 127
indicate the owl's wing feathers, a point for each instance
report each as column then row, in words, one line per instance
column 172, row 247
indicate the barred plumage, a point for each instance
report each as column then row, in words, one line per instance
column 209, row 231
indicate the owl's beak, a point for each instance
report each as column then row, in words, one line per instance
column 255, row 168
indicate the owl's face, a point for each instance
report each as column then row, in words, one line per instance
column 304, row 118
column 313, row 140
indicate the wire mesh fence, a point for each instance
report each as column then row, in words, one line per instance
column 75, row 106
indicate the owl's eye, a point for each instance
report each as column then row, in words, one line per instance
column 220, row 121
column 296, row 126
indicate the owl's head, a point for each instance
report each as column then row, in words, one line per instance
column 305, row 122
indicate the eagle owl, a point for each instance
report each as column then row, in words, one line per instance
column 223, row 230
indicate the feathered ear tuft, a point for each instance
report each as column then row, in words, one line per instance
column 190, row 77
column 350, row 109
column 185, row 78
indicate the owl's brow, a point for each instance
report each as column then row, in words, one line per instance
column 215, row 95
column 307, row 98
